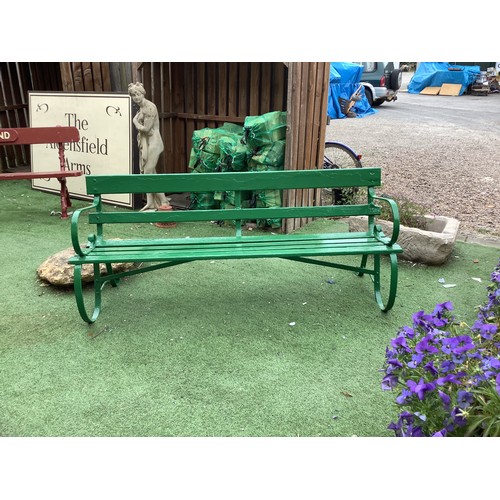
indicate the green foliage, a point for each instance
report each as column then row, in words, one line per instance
column 410, row 214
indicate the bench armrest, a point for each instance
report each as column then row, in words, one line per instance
column 395, row 218
column 74, row 230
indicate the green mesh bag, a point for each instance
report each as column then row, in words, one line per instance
column 232, row 128
column 207, row 162
column 207, row 139
column 269, row 198
column 203, row 201
column 265, row 129
column 205, row 151
column 233, row 155
column 269, row 157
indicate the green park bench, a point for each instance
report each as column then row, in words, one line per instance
column 158, row 253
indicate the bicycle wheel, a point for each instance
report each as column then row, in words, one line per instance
column 338, row 155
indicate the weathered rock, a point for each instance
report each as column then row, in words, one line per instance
column 56, row 270
column 431, row 246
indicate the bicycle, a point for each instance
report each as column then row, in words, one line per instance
column 338, row 155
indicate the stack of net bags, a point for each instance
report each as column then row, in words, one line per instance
column 258, row 145
column 209, row 153
column 265, row 137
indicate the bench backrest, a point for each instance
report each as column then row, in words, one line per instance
column 232, row 181
column 236, row 182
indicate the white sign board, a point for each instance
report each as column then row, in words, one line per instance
column 105, row 145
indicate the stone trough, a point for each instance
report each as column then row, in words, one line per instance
column 432, row 245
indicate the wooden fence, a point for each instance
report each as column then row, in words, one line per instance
column 192, row 96
column 16, row 79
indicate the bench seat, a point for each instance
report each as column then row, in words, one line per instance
column 246, row 247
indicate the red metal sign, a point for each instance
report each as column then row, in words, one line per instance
column 39, row 135
column 8, row 135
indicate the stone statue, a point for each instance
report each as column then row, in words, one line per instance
column 149, row 140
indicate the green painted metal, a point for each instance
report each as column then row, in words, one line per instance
column 160, row 253
column 395, row 217
column 232, row 181
column 230, row 214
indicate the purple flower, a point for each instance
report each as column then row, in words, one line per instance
column 408, row 332
column 490, row 366
column 406, row 417
column 495, row 363
column 498, row 384
column 396, row 428
column 395, row 363
column 464, row 399
column 401, row 399
column 441, row 433
column 389, row 353
column 431, row 368
column 458, row 419
column 447, row 366
column 425, row 346
column 458, row 360
column 448, row 344
column 444, row 398
column 419, row 388
column 486, row 330
column 439, row 322
column 416, row 359
column 445, row 306
column 465, row 344
column 389, row 382
column 423, row 320
column 451, row 378
column 400, row 342
column 415, row 432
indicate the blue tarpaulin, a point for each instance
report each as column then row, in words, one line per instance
column 344, row 81
column 434, row 74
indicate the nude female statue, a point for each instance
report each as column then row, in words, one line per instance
column 149, row 140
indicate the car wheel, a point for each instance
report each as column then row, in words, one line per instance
column 369, row 96
column 396, row 79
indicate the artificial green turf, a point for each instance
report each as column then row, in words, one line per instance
column 205, row 348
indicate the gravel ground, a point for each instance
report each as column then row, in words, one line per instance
column 438, row 151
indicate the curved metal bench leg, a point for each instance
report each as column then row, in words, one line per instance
column 78, row 287
column 393, row 283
